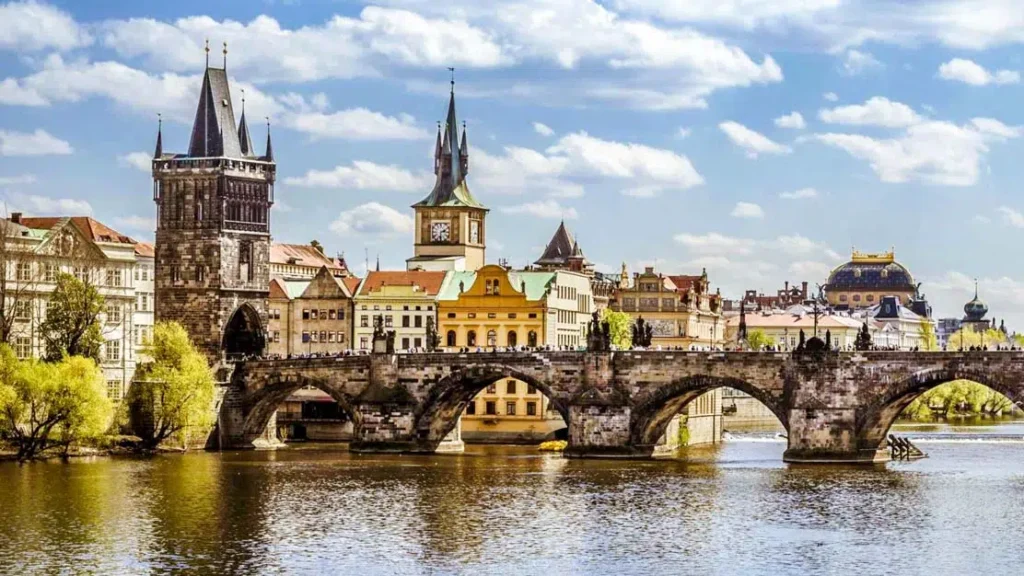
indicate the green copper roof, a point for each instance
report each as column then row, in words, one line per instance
column 450, row 287
column 444, row 195
column 536, row 282
column 294, row 288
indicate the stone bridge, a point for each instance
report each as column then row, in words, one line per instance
column 836, row 407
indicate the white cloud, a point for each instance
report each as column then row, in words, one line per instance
column 830, row 96
column 1004, row 295
column 793, row 120
column 15, row 180
column 34, row 205
column 810, row 269
column 683, row 133
column 716, row 244
column 642, row 165
column 857, row 62
column 1012, row 217
column 365, row 175
column 878, row 111
column 543, row 209
column 747, row 210
column 800, row 194
column 934, row 152
column 372, row 219
column 135, row 222
column 742, row 13
column 542, row 129
column 522, row 170
column 32, row 26
column 356, row 124
column 753, row 142
column 139, row 160
column 969, row 72
column 982, row 219
column 280, row 206
column 38, row 143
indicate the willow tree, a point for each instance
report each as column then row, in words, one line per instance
column 72, row 324
column 172, row 394
column 966, row 338
column 47, row 405
column 758, row 340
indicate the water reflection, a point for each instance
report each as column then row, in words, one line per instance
column 732, row 508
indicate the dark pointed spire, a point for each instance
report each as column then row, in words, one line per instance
column 244, row 139
column 451, row 144
column 378, row 262
column 159, row 137
column 213, row 132
column 269, row 156
column 437, row 150
column 464, row 152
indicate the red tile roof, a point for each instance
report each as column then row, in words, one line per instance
column 92, row 229
column 683, row 283
column 430, row 282
column 352, row 283
column 302, row 255
column 145, row 250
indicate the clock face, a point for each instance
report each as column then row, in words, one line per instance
column 439, row 232
column 474, row 232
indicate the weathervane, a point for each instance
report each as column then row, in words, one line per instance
column 452, row 70
column 207, row 50
column 225, row 55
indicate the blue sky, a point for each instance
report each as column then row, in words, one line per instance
column 761, row 139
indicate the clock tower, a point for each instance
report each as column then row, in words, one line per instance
column 449, row 230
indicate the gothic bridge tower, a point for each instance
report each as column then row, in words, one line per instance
column 213, row 227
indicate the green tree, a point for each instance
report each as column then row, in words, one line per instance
column 966, row 338
column 620, row 325
column 957, row 398
column 929, row 342
column 317, row 245
column 72, row 326
column 51, row 405
column 758, row 340
column 173, row 392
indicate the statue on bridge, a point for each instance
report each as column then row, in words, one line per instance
column 643, row 333
column 379, row 344
column 863, row 341
column 599, row 335
column 433, row 341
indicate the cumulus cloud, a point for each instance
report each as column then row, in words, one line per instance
column 38, row 143
column 543, row 209
column 33, row 26
column 19, row 179
column 1011, row 216
column 716, row 244
column 372, row 219
column 365, row 175
column 877, row 111
column 754, row 143
column 135, row 222
column 969, row 72
column 747, row 210
column 800, row 194
column 142, row 161
column 793, row 120
column 356, row 124
column 830, row 96
column 856, row 62
column 521, row 170
column 542, row 129
column 34, row 205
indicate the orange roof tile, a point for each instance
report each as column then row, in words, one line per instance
column 683, row 283
column 92, row 229
column 303, row 255
column 352, row 283
column 429, row 281
column 145, row 250
column 794, row 321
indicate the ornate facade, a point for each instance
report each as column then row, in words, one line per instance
column 681, row 309
column 213, row 228
column 450, row 230
column 866, row 278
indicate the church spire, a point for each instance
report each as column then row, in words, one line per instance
column 464, row 152
column 244, row 139
column 269, row 156
column 452, row 141
column 214, row 133
column 159, row 137
column 437, row 151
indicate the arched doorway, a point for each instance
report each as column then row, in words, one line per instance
column 451, row 339
column 243, row 334
column 513, row 338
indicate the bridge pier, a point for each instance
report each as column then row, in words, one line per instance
column 827, row 436
column 601, row 431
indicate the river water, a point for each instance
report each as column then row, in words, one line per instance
column 730, row 509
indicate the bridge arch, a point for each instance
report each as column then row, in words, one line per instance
column 439, row 412
column 875, row 419
column 264, row 402
column 243, row 334
column 651, row 415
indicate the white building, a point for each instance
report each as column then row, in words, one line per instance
column 37, row 249
column 570, row 303
column 142, row 317
column 899, row 327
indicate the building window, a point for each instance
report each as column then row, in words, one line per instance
column 471, row 407
column 471, row 315
column 531, row 339
column 471, row 338
column 492, row 408
column 451, row 338
column 145, row 274
column 405, row 321
column 363, row 343
column 305, row 337
column 175, row 274
column 136, row 274
column 856, row 297
column 113, row 348
column 305, row 314
column 323, row 336
column 323, row 315
column 200, row 273
column 341, row 314
column 513, row 338
column 492, row 388
column 510, row 387
column 113, row 277
column 871, row 297
column 113, row 313
column 417, row 342
column 512, row 315
column 531, row 408
column 24, row 271
column 277, row 336
column 50, row 273
column 531, row 389
column 22, row 346
column 388, row 321
column 533, row 315
column 388, row 307
column 313, row 337
column 491, row 315
column 451, row 315
column 364, row 321
column 114, row 390
column 418, row 321
column 331, row 314
column 510, row 408
column 492, row 338
column 405, row 343
column 22, row 310
column 313, row 315
column 842, row 297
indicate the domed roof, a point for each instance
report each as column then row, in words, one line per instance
column 975, row 310
column 871, row 272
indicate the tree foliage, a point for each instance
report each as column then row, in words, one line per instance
column 967, row 338
column 173, row 392
column 72, row 326
column 929, row 342
column 957, row 398
column 317, row 246
column 620, row 326
column 51, row 405
column 758, row 340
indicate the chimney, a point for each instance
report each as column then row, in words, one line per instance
column 804, row 283
column 16, row 217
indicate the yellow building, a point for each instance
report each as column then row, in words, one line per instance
column 510, row 411
column 681, row 309
column 484, row 309
column 866, row 278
